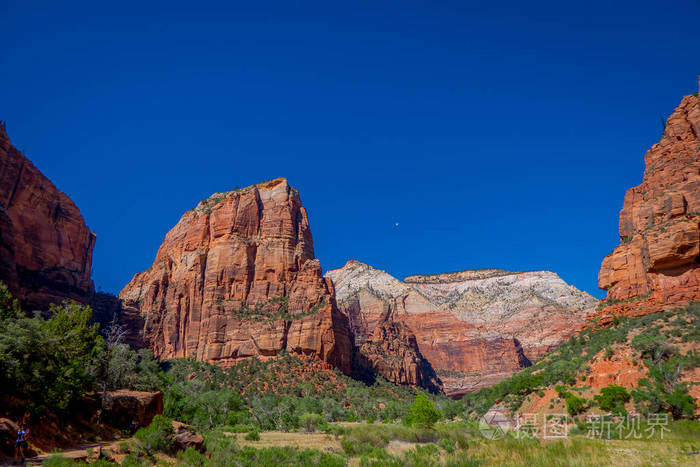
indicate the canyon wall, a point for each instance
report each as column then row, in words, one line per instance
column 656, row 265
column 45, row 245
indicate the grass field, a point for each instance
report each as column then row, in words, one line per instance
column 457, row 444
column 445, row 444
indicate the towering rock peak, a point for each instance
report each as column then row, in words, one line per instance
column 657, row 263
column 473, row 328
column 45, row 245
column 235, row 278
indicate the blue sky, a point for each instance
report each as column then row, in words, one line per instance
column 495, row 135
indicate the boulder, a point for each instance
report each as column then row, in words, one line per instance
column 185, row 437
column 122, row 407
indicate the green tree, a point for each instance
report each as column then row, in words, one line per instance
column 574, row 404
column 50, row 362
column 612, row 399
column 423, row 412
column 9, row 308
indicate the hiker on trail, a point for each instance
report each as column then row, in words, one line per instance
column 21, row 443
column 134, row 426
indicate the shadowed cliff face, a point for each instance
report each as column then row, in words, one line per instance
column 45, row 246
column 237, row 278
column 473, row 328
column 656, row 265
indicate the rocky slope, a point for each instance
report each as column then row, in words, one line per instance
column 656, row 266
column 653, row 356
column 45, row 245
column 473, row 328
column 236, row 278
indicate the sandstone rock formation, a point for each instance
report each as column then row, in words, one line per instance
column 473, row 328
column 537, row 308
column 124, row 406
column 657, row 262
column 236, row 278
column 45, row 246
column 392, row 352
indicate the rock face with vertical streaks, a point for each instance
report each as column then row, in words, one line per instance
column 45, row 245
column 657, row 264
column 236, row 278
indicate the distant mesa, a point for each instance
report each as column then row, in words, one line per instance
column 471, row 328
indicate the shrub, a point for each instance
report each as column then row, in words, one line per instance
column 158, row 436
column 394, row 410
column 680, row 403
column 422, row 455
column 574, row 404
column 447, row 444
column 663, row 391
column 355, row 448
column 310, row 422
column 651, row 346
column 253, row 436
column 612, row 399
column 192, row 458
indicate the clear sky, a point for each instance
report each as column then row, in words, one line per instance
column 424, row 137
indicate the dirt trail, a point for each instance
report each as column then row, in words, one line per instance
column 77, row 453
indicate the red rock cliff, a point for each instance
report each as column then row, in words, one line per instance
column 236, row 278
column 656, row 264
column 45, row 246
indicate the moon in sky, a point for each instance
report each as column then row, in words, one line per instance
column 396, row 224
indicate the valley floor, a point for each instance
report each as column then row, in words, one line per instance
column 681, row 447
column 362, row 444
